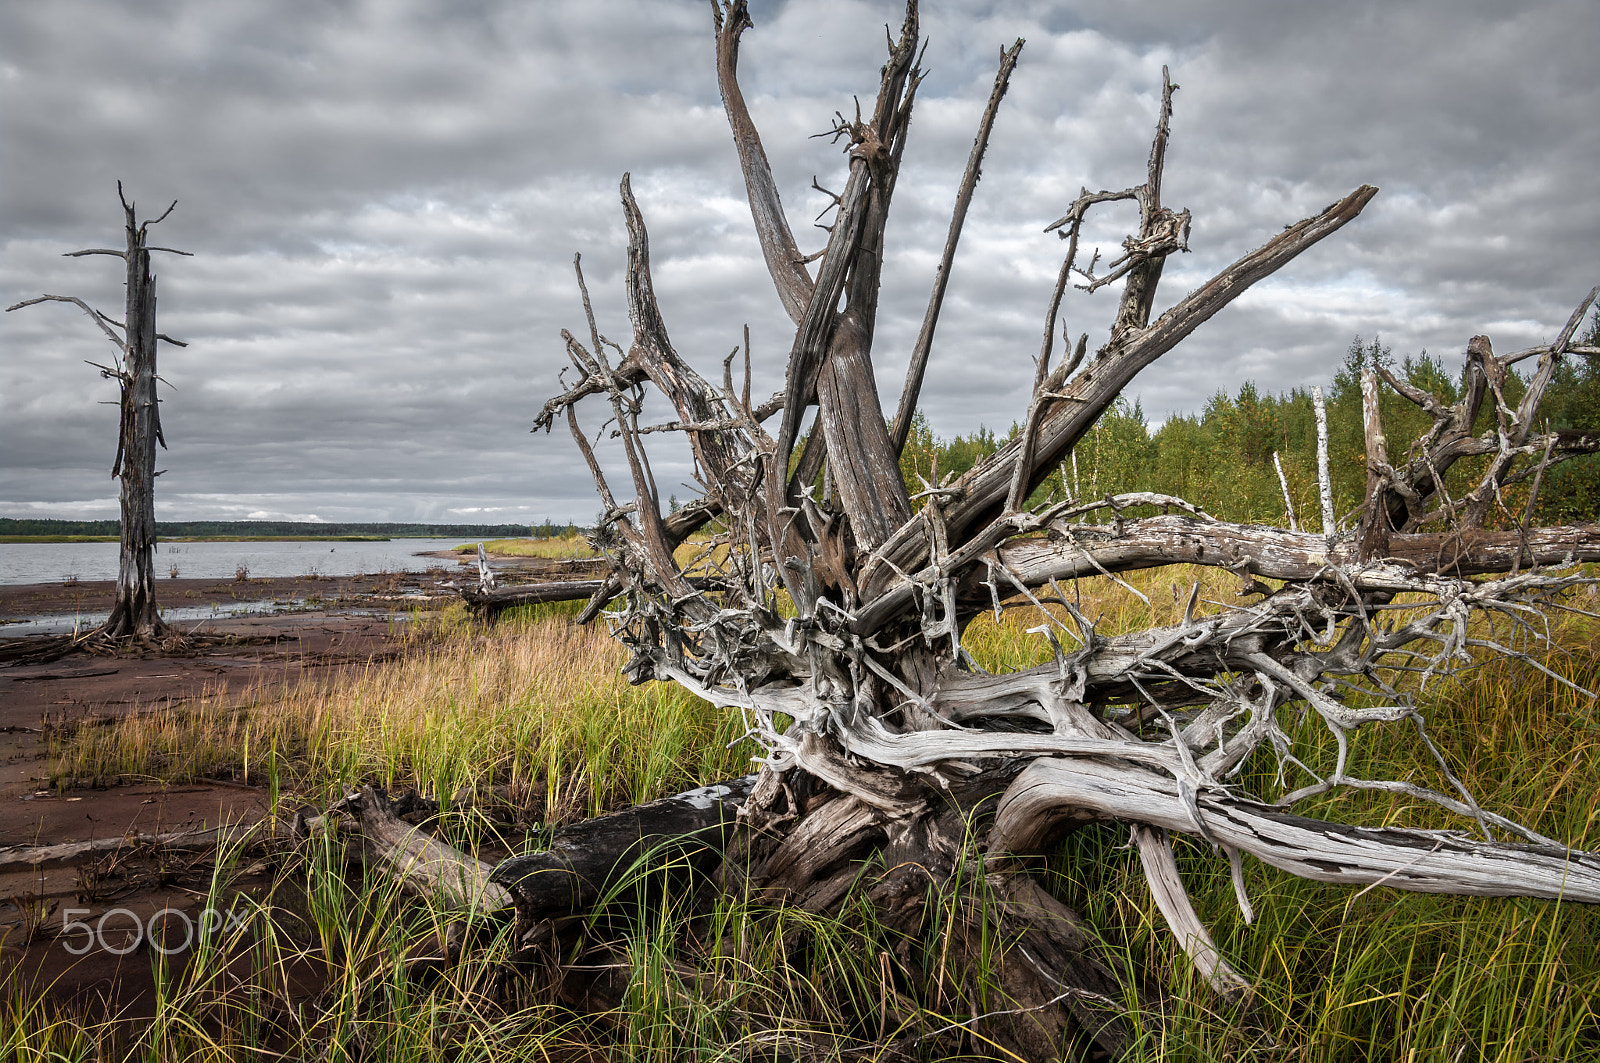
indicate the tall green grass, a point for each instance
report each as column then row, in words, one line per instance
column 1346, row 974
column 318, row 968
column 537, row 706
column 334, row 965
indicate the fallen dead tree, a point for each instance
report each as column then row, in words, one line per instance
column 827, row 605
column 488, row 597
column 582, row 861
column 1270, row 552
column 498, row 599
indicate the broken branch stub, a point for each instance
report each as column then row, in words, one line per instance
column 832, row 621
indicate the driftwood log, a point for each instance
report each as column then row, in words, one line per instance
column 67, row 854
column 827, row 604
column 420, row 863
column 510, row 596
column 588, row 860
column 583, row 862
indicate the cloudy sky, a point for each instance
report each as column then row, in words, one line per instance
column 383, row 198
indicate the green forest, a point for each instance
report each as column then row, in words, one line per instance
column 1221, row 457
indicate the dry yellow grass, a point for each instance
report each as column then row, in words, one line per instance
column 535, row 702
column 556, row 549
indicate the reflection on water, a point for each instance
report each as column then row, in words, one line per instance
column 71, row 623
column 58, row 562
column 81, row 622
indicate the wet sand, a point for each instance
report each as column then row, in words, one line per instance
column 322, row 623
column 352, row 627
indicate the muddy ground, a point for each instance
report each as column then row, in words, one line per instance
column 338, row 623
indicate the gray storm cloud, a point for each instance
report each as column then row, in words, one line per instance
column 384, row 199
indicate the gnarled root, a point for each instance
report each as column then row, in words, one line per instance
column 974, row 936
column 990, row 945
column 1055, row 794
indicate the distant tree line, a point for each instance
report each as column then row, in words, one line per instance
column 249, row 528
column 1221, row 458
column 551, row 530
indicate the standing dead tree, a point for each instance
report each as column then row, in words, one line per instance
column 134, row 612
column 833, row 620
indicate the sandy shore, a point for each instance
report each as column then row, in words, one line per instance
column 87, row 597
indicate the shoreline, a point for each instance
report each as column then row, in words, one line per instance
column 17, row 539
column 442, row 582
column 260, row 653
column 23, row 602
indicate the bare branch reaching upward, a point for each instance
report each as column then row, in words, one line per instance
column 883, row 740
column 941, row 277
column 1067, row 417
column 784, row 261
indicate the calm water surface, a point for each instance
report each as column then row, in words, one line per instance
column 57, row 562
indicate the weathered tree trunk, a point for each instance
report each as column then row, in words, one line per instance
column 134, row 613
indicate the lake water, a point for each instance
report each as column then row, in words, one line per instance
column 58, row 562
column 74, row 623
